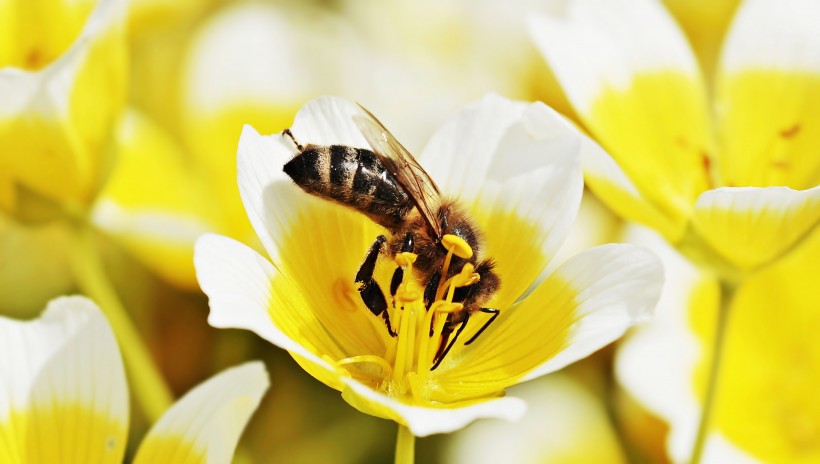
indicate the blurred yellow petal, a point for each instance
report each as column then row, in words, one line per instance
column 768, row 96
column 56, row 24
column 152, row 203
column 752, row 226
column 65, row 399
column 249, row 64
column 609, row 183
column 635, row 84
column 705, row 23
column 55, row 121
column 34, row 265
column 206, row 423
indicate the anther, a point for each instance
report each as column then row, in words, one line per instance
column 457, row 245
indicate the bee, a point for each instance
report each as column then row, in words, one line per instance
column 387, row 185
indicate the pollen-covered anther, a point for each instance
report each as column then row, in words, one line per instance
column 405, row 258
column 457, row 245
column 466, row 277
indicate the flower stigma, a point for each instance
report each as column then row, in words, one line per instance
column 402, row 372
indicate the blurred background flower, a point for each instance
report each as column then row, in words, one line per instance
column 66, row 400
column 723, row 165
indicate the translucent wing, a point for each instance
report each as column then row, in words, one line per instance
column 401, row 164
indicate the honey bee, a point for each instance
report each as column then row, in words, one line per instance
column 389, row 186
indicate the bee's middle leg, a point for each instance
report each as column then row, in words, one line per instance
column 369, row 289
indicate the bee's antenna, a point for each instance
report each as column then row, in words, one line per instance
column 288, row 133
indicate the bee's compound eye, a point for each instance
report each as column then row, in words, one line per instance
column 457, row 245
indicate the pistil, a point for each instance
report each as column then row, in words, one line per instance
column 419, row 328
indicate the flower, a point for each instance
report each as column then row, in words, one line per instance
column 724, row 167
column 62, row 88
column 766, row 407
column 731, row 180
column 515, row 167
column 65, row 399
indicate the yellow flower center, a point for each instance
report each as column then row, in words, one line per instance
column 405, row 367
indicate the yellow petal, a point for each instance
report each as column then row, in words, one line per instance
column 38, row 33
column 768, row 96
column 635, row 84
column 752, row 226
column 609, row 183
column 206, row 423
column 245, row 291
column 705, row 23
column 152, row 204
column 54, row 122
column 65, row 398
column 589, row 301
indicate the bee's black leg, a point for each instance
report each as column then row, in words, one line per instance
column 494, row 313
column 398, row 276
column 445, row 334
column 369, row 289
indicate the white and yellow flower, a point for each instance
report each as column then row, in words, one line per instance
column 62, row 83
column 765, row 406
column 516, row 168
column 64, row 398
column 725, row 168
column 732, row 180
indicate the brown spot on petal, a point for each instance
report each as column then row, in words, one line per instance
column 790, row 132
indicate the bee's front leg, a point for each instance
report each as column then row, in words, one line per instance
column 369, row 289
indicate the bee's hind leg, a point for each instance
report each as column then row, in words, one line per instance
column 369, row 289
column 445, row 335
column 494, row 313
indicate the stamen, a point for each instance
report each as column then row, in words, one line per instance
column 457, row 245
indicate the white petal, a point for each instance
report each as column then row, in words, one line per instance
column 262, row 182
column 207, row 422
column 328, row 121
column 503, row 155
column 65, row 367
column 225, row 64
column 600, row 44
column 237, row 281
column 619, row 286
column 428, row 421
column 780, row 34
column 566, row 421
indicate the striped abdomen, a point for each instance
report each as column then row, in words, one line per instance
column 353, row 177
